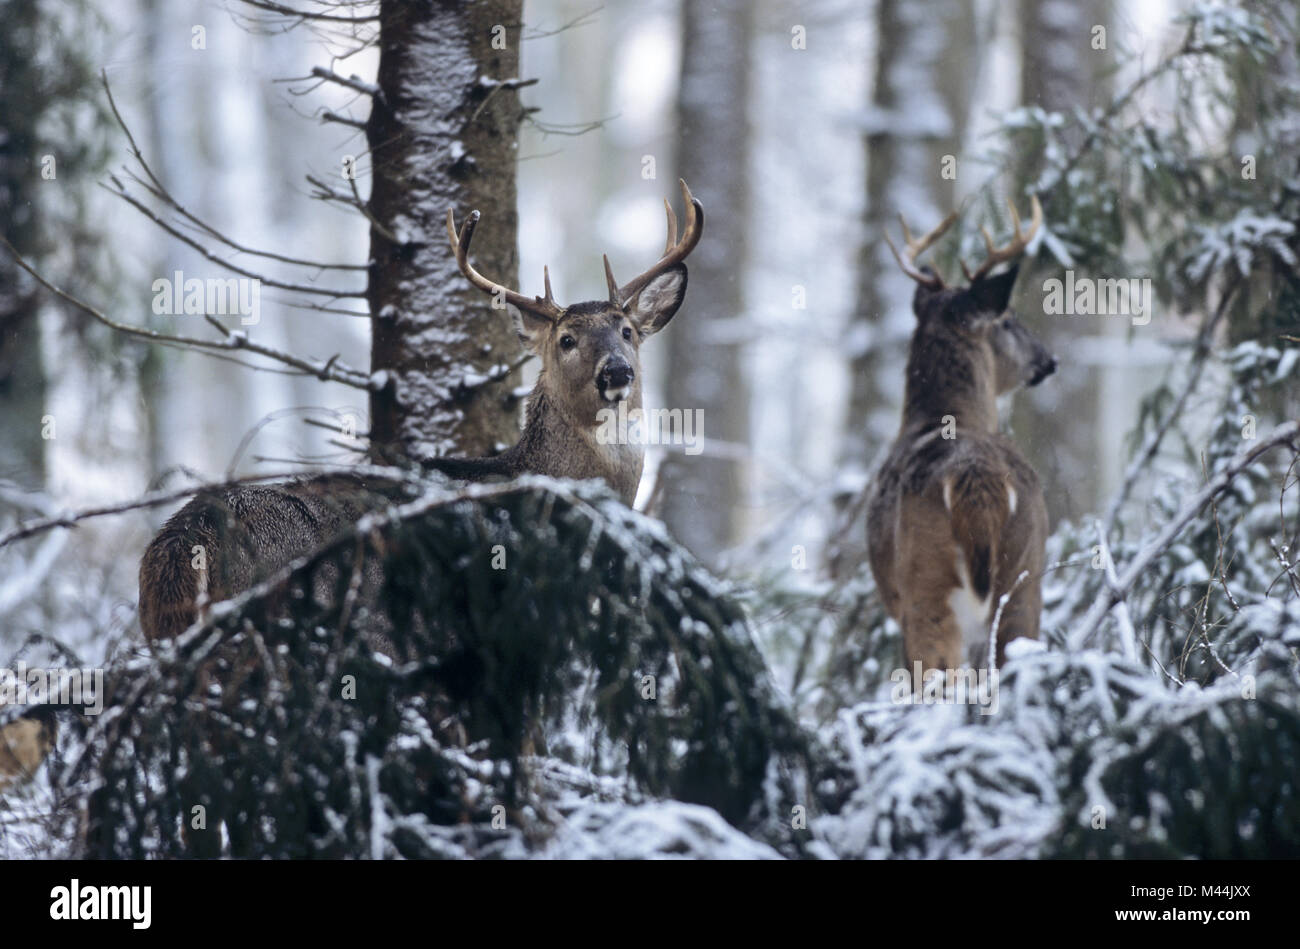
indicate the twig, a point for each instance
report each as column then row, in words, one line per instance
column 327, row 115
column 155, row 187
column 269, row 6
column 1127, row 635
column 1111, row 594
column 233, row 341
column 155, row 498
column 353, row 82
column 997, row 621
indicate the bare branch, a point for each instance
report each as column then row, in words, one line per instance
column 71, row 519
column 327, row 115
column 332, row 370
column 582, row 19
column 155, row 187
column 332, row 293
column 284, row 10
column 326, row 193
column 353, row 82
column 476, row 380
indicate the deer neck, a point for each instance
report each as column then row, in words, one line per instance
column 556, row 442
column 949, row 378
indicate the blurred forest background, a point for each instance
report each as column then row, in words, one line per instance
column 1164, row 146
column 805, row 128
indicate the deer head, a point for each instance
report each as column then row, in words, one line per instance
column 590, row 351
column 977, row 316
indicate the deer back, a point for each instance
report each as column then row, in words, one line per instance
column 955, row 516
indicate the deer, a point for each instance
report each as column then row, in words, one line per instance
column 956, row 520
column 590, row 355
column 590, row 360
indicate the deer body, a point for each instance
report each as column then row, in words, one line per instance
column 223, row 542
column 590, row 355
column 956, row 517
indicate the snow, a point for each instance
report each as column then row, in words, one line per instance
column 661, row 830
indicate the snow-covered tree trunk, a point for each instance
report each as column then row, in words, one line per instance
column 442, row 134
column 702, row 494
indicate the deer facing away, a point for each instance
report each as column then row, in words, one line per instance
column 590, row 354
column 955, row 517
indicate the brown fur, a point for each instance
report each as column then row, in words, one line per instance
column 939, row 512
column 24, row 743
column 247, row 533
column 560, row 437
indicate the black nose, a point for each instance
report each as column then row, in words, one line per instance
column 1044, row 370
column 615, row 375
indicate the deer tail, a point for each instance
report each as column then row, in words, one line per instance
column 174, row 572
column 979, row 507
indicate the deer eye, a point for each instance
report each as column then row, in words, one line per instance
column 627, row 333
column 567, row 343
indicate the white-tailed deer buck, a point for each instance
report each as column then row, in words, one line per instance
column 591, row 360
column 955, row 516
column 590, row 354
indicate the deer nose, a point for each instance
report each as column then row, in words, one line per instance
column 1044, row 369
column 615, row 375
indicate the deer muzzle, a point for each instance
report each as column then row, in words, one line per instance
column 615, row 380
column 1042, row 369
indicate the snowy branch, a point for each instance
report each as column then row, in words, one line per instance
column 1115, row 592
column 353, row 82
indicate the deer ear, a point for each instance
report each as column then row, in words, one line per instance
column 992, row 295
column 531, row 328
column 658, row 301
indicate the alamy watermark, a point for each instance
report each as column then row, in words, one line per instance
column 1111, row 296
column 22, row 685
column 946, row 687
column 624, row 426
column 216, row 296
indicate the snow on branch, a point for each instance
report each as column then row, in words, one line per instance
column 1113, row 593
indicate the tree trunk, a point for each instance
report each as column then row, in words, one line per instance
column 703, row 494
column 442, row 137
column 22, row 378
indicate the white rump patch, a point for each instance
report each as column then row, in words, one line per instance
column 969, row 612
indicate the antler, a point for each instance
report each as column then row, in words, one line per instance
column 546, row 307
column 674, row 252
column 1019, row 241
column 915, row 247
